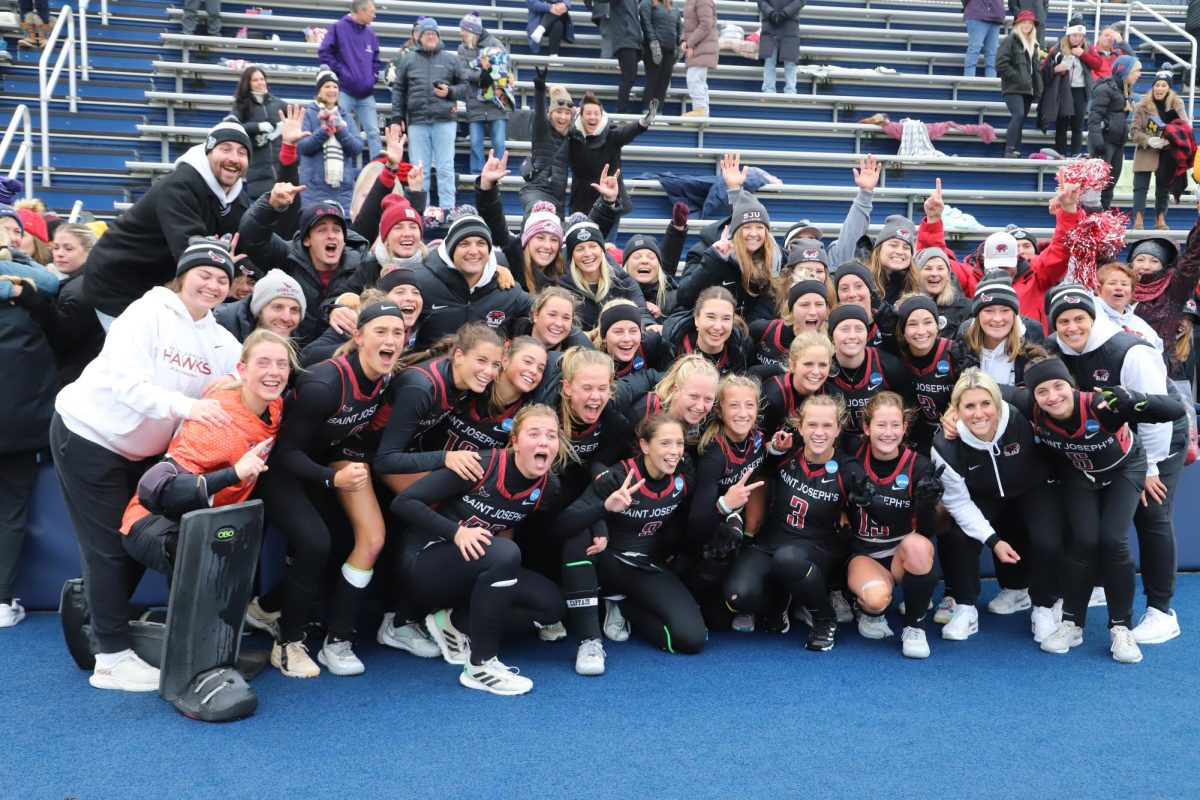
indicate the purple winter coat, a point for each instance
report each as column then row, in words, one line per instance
column 986, row 10
column 352, row 51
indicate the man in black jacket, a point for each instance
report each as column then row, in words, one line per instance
column 202, row 197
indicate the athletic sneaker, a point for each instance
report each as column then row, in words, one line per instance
column 776, row 620
column 538, row 33
column 743, row 623
column 821, row 637
column 1124, row 647
column 492, row 676
column 1010, row 601
column 11, row 613
column 963, row 624
column 944, row 612
column 128, row 674
column 873, row 627
column 454, row 645
column 1098, row 598
column 1042, row 620
column 590, row 658
column 1155, row 627
column 841, row 608
column 1064, row 637
column 552, row 632
column 292, row 660
column 409, row 637
column 338, row 655
column 616, row 627
column 913, row 643
column 261, row 620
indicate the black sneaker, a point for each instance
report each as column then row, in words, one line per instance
column 820, row 638
column 776, row 620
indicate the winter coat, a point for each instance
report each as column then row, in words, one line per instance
column 449, row 303
column 27, row 403
column 622, row 29
column 1100, row 61
column 780, row 41
column 1108, row 121
column 1039, row 8
column 1163, row 313
column 662, row 24
column 351, row 50
column 986, row 10
column 413, row 100
column 312, row 158
column 680, row 335
column 478, row 109
column 1018, row 69
column 537, row 10
column 717, row 270
column 700, row 32
column 1145, row 158
column 545, row 171
column 71, row 327
column 261, row 121
column 1057, row 100
column 587, row 310
column 237, row 318
column 589, row 154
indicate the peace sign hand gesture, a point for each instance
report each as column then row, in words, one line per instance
column 739, row 494
column 622, row 498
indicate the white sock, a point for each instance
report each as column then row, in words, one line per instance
column 537, row 34
column 109, row 660
column 358, row 578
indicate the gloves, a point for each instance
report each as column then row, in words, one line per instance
column 655, row 51
column 1122, row 400
column 725, row 538
column 886, row 317
column 652, row 112
column 679, row 215
column 862, row 492
column 1157, row 142
column 777, row 18
column 928, row 490
column 539, row 78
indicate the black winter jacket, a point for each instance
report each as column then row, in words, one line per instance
column 545, row 171
column 1108, row 121
column 589, row 154
column 716, row 270
column 1057, row 100
column 1020, row 72
column 679, row 333
column 27, row 403
column 662, row 24
column 449, row 303
column 587, row 310
column 237, row 318
column 71, row 327
column 265, row 142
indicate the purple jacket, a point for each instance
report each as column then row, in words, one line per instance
column 352, row 51
column 986, row 10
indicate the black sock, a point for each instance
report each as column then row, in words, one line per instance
column 582, row 591
column 346, row 601
column 297, row 601
column 918, row 591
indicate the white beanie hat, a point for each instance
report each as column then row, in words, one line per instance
column 277, row 283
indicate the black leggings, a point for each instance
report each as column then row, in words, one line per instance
column 1099, row 522
column 556, row 28
column 1141, row 188
column 658, row 78
column 1074, row 122
column 18, row 474
column 1018, row 108
column 799, row 567
column 1033, row 524
column 627, row 59
column 1156, row 535
column 1114, row 154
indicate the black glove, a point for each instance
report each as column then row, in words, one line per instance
column 862, row 492
column 886, row 317
column 1124, row 401
column 725, row 538
column 928, row 490
column 777, row 18
column 539, row 77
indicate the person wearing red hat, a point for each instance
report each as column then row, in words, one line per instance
column 35, row 242
column 1019, row 67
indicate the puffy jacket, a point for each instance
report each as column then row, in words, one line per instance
column 312, row 158
column 986, row 10
column 413, row 100
column 478, row 109
column 1108, row 121
column 782, row 41
column 27, row 403
column 662, row 24
column 590, row 152
column 1018, row 69
column 351, row 50
column 261, row 121
column 700, row 32
column 1101, row 61
column 237, row 318
column 679, row 334
column 587, row 310
column 621, row 29
column 717, row 270
column 1164, row 311
column 545, row 171
column 449, row 303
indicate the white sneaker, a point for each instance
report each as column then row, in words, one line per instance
column 1124, row 647
column 841, row 608
column 1155, row 627
column 963, row 625
column 538, row 33
column 873, row 627
column 552, row 633
column 1064, row 637
column 743, row 623
column 260, row 620
column 454, row 645
column 128, row 674
column 338, row 656
column 944, row 612
column 913, row 643
column 616, row 627
column 590, row 658
column 1098, row 598
column 493, row 676
column 292, row 660
column 1042, row 620
column 1010, row 601
column 1057, row 609
column 410, row 637
column 11, row 613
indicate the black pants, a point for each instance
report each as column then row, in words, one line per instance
column 1114, row 154
column 1156, row 535
column 658, row 605
column 1099, row 520
column 556, row 28
column 627, row 59
column 1074, row 122
column 1141, row 188
column 97, row 485
column 1018, row 108
column 705, row 578
column 658, row 78
column 798, row 568
column 1033, row 524
column 18, row 474
column 152, row 542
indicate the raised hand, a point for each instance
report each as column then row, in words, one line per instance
column 291, row 124
column 283, row 194
column 933, row 204
column 394, row 142
column 724, row 245
column 416, row 177
column 1068, row 197
column 732, row 171
column 782, row 442
column 493, row 170
column 622, row 498
column 866, row 177
column 739, row 494
column 609, row 186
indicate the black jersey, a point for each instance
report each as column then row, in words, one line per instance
column 422, row 396
column 780, row 402
column 893, row 512
column 772, row 341
column 933, row 377
column 807, row 501
column 470, row 426
column 731, row 359
column 879, row 372
column 718, row 468
column 650, row 354
column 1092, row 440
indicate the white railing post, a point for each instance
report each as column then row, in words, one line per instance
column 24, row 158
column 103, row 12
column 83, row 39
column 1191, row 64
column 48, row 79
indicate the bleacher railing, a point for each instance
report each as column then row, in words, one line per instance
column 83, row 40
column 23, row 161
column 48, row 78
column 1131, row 30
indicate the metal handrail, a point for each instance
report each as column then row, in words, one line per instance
column 20, row 119
column 83, row 39
column 1187, row 37
column 48, row 80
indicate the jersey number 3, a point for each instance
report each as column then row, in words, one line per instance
column 799, row 511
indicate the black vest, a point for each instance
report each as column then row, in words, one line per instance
column 1012, row 466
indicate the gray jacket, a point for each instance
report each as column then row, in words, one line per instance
column 413, row 100
column 622, row 28
column 478, row 109
column 780, row 41
column 661, row 23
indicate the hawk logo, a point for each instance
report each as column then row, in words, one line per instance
column 985, row 297
column 810, row 254
column 905, row 234
column 1001, row 248
column 216, row 257
column 1071, row 298
column 1012, row 449
column 1100, row 375
column 496, row 318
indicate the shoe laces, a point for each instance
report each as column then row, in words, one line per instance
column 496, row 665
column 1123, row 638
column 340, row 648
column 912, row 634
column 592, row 648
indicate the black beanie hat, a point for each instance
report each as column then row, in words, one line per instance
column 845, row 313
column 996, row 290
column 810, row 286
column 913, row 304
column 227, row 130
column 1047, row 369
column 585, row 231
column 467, row 222
column 859, row 270
column 402, row 276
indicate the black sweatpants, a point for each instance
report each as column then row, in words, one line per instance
column 1018, row 109
column 1074, row 122
column 97, row 485
column 152, row 541
column 1156, row 535
column 556, row 28
column 798, row 567
column 658, row 78
column 627, row 59
column 657, row 604
column 18, row 474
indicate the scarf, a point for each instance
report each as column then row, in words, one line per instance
column 389, row 262
column 334, row 158
column 1149, row 290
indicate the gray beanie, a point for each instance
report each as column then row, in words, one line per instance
column 1162, row 249
column 748, row 209
column 924, row 255
column 898, row 226
column 277, row 283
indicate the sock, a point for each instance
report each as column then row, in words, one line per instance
column 582, row 591
column 109, row 660
column 347, row 595
column 918, row 591
column 538, row 33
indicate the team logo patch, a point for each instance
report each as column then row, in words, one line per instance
column 1189, row 307
column 216, row 257
column 874, row 381
column 902, row 481
column 943, row 367
column 1012, row 449
column 878, row 336
column 757, row 440
column 496, row 318
column 639, row 362
column 941, row 322
column 1071, row 298
column 1091, row 426
column 584, row 236
column 210, row 143
column 831, row 467
column 1001, row 248
column 810, row 254
column 533, row 497
column 751, row 216
column 905, row 234
column 1100, row 375
column 678, row 485
column 506, row 425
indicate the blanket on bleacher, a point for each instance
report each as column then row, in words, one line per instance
column 936, row 130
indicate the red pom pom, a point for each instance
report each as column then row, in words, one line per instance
column 1096, row 239
column 1089, row 173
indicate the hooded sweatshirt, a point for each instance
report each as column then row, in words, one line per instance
column 1131, row 322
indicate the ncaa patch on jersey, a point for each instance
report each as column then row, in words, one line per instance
column 831, row 467
column 874, row 381
column 943, row 366
column 1091, row 426
column 902, row 481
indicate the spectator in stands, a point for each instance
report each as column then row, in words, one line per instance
column 260, row 113
column 549, row 23
column 35, row 237
column 35, row 23
column 277, row 304
column 662, row 25
column 427, row 85
column 328, row 153
column 701, row 48
column 1108, row 48
column 1163, row 276
column 595, row 149
column 1020, row 77
column 1108, row 121
column 203, row 196
column 410, row 44
column 930, row 276
column 1040, row 9
column 545, row 171
column 26, row 405
column 191, row 9
column 116, row 420
column 72, row 245
column 779, row 41
column 351, row 50
column 1067, row 83
column 621, row 38
column 983, row 19
column 1157, row 109
column 478, row 52
column 70, row 323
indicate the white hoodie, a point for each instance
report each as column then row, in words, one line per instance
column 956, row 497
column 1131, row 322
column 156, row 361
column 197, row 159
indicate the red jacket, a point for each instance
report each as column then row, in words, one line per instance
column 1100, row 63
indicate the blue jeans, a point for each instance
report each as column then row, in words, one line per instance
column 365, row 111
column 789, row 75
column 983, row 36
column 495, row 131
column 432, row 144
